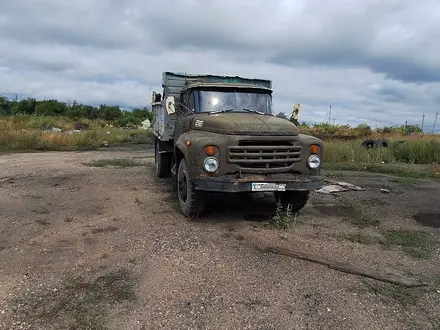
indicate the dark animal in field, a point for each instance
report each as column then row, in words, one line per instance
column 81, row 126
column 380, row 143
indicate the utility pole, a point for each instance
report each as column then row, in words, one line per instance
column 334, row 121
column 423, row 120
column 330, row 114
column 435, row 122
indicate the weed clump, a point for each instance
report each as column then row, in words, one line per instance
column 284, row 218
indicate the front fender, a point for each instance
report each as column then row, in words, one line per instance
column 181, row 146
column 194, row 152
column 309, row 139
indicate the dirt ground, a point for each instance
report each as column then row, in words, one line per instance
column 86, row 247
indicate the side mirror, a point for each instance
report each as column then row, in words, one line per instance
column 170, row 105
column 155, row 97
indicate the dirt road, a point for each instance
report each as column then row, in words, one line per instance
column 89, row 247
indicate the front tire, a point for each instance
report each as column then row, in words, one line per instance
column 190, row 200
column 295, row 200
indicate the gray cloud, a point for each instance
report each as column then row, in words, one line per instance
column 374, row 61
column 384, row 36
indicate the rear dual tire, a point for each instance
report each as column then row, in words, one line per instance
column 294, row 200
column 162, row 162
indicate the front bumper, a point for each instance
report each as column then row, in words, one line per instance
column 231, row 183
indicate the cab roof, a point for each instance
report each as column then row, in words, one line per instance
column 225, row 85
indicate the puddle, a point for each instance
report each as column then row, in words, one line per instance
column 428, row 219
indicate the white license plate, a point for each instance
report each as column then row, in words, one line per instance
column 268, row 186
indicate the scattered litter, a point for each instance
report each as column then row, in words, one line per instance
column 386, row 191
column 105, row 144
column 331, row 189
column 52, row 130
column 146, row 124
column 335, row 187
column 348, row 186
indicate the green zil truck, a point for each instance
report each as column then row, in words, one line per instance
column 219, row 134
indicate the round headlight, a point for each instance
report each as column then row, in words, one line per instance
column 314, row 161
column 210, row 164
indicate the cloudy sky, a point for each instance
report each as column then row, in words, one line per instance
column 374, row 61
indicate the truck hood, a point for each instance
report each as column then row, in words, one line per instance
column 244, row 124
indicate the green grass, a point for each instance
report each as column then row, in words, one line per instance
column 29, row 122
column 397, row 170
column 408, row 180
column 142, row 137
column 416, row 244
column 359, row 237
column 361, row 215
column 117, row 162
column 409, row 152
column 399, row 159
column 389, row 292
column 413, row 243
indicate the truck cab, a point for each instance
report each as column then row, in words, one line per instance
column 223, row 136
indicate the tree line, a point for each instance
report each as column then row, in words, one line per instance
column 111, row 113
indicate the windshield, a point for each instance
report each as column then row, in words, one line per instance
column 208, row 101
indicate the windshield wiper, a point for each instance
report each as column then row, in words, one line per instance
column 229, row 110
column 254, row 111
column 220, row 111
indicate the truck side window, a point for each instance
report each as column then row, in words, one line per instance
column 191, row 104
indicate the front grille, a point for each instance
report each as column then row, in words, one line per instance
column 267, row 156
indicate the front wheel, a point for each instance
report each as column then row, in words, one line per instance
column 190, row 200
column 293, row 200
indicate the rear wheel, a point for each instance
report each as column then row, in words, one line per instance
column 294, row 200
column 190, row 200
column 162, row 162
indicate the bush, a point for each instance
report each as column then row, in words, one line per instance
column 364, row 130
column 417, row 152
column 27, row 133
column 414, row 152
